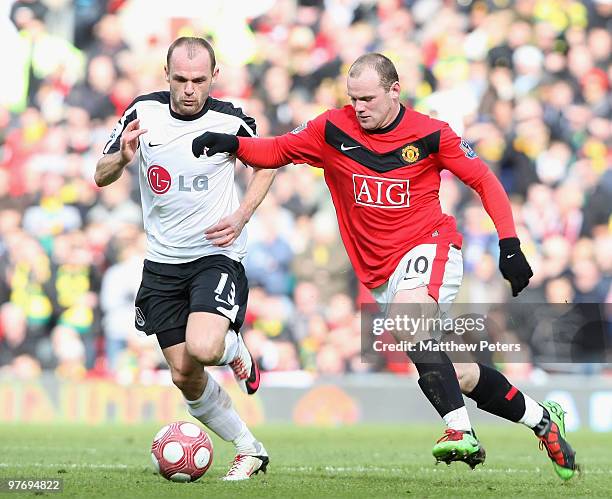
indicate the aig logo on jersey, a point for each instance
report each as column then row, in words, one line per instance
column 379, row 192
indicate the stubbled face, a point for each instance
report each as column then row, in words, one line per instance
column 190, row 77
column 374, row 106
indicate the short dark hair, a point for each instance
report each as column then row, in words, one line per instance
column 381, row 64
column 192, row 42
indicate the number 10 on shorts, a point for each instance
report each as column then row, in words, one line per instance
column 418, row 262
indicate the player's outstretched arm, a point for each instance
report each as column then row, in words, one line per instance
column 110, row 166
column 229, row 228
column 259, row 153
column 458, row 157
column 302, row 146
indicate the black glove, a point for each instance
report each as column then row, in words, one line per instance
column 214, row 143
column 513, row 264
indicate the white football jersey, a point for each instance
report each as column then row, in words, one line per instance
column 182, row 195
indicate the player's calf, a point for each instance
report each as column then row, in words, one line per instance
column 438, row 381
column 187, row 374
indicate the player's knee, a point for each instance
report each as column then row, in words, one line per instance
column 208, row 353
column 467, row 374
column 187, row 379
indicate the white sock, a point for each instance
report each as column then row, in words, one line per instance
column 458, row 419
column 214, row 410
column 245, row 442
column 231, row 348
column 534, row 413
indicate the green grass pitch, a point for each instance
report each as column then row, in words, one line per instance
column 359, row 461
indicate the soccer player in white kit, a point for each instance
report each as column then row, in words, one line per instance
column 194, row 290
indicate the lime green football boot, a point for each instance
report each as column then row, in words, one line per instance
column 457, row 445
column 553, row 440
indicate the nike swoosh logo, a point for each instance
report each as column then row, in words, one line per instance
column 347, row 148
column 229, row 313
column 154, row 145
column 510, row 256
column 255, row 383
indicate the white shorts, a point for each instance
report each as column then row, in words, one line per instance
column 437, row 266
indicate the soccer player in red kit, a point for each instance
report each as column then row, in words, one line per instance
column 382, row 164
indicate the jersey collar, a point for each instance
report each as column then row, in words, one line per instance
column 393, row 124
column 191, row 117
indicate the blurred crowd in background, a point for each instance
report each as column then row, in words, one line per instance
column 525, row 82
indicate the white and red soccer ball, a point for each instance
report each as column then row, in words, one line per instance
column 181, row 452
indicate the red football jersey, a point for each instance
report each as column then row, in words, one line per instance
column 384, row 184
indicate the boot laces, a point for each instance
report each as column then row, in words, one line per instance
column 236, row 464
column 450, row 434
column 239, row 368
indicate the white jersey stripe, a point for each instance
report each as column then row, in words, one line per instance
column 113, row 142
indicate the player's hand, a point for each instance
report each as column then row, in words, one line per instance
column 513, row 264
column 227, row 230
column 129, row 140
column 214, row 143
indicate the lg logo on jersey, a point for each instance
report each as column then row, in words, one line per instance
column 379, row 192
column 160, row 181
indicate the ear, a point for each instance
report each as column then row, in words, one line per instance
column 214, row 75
column 395, row 90
column 167, row 74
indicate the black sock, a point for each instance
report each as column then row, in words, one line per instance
column 493, row 393
column 438, row 379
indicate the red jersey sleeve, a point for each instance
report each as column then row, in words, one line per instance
column 459, row 158
column 303, row 145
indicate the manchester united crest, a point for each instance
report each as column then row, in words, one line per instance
column 410, row 154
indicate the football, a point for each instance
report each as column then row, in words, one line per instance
column 181, row 452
